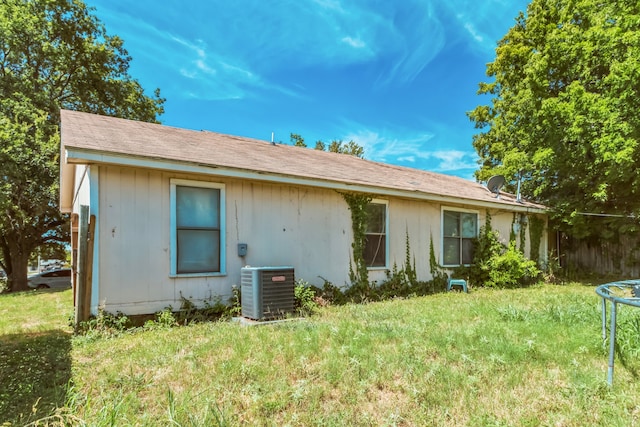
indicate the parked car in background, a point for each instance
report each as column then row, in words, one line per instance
column 55, row 279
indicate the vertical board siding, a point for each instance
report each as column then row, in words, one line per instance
column 308, row 229
column 81, row 188
column 283, row 225
column 419, row 220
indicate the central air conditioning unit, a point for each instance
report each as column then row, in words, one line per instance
column 267, row 292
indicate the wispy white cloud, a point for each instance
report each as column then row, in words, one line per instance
column 233, row 49
column 413, row 149
column 471, row 29
column 207, row 72
column 329, row 4
column 353, row 42
column 485, row 22
column 453, row 160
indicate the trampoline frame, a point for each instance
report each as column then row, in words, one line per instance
column 604, row 291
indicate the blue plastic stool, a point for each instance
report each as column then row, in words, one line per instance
column 457, row 282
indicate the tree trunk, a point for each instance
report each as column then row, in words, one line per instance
column 16, row 258
column 18, row 275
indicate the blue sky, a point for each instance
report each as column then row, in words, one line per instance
column 397, row 77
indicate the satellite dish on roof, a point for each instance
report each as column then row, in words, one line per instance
column 495, row 183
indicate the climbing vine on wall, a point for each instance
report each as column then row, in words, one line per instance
column 519, row 223
column 512, row 231
column 358, row 203
column 536, row 227
column 523, row 234
column 437, row 272
column 410, row 269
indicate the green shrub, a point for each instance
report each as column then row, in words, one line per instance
column 190, row 313
column 235, row 302
column 164, row 319
column 511, row 269
column 486, row 247
column 331, row 294
column 104, row 325
column 438, row 282
column 397, row 284
column 305, row 302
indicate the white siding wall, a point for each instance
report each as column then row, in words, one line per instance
column 421, row 220
column 81, row 194
column 307, row 228
column 502, row 222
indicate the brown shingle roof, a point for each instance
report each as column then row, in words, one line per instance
column 113, row 136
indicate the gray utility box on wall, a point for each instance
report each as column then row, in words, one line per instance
column 267, row 292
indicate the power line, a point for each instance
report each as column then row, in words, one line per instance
column 605, row 215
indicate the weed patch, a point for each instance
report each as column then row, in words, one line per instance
column 519, row 357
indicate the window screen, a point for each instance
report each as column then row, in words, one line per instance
column 197, row 229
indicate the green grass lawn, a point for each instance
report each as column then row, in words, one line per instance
column 524, row 357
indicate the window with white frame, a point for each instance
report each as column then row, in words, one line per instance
column 458, row 231
column 197, row 227
column 375, row 249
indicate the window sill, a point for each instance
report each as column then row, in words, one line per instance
column 183, row 275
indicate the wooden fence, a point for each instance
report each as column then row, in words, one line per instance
column 621, row 258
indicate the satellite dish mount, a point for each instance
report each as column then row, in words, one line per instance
column 495, row 183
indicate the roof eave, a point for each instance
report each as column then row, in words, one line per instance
column 75, row 155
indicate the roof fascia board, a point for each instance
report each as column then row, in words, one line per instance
column 67, row 182
column 80, row 156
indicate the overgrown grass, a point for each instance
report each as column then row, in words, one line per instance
column 35, row 354
column 522, row 357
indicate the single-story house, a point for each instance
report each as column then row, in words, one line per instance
column 179, row 212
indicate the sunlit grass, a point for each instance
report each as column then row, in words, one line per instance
column 34, row 311
column 523, row 357
column 35, row 353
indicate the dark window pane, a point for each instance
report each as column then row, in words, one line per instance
column 467, row 251
column 374, row 250
column 451, row 251
column 451, row 223
column 376, row 218
column 198, row 251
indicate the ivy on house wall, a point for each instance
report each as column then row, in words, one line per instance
column 512, row 231
column 439, row 276
column 536, row 228
column 410, row 269
column 523, row 232
column 358, row 202
column 519, row 222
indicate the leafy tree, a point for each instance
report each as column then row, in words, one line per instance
column 335, row 146
column 563, row 113
column 351, row 148
column 297, row 140
column 53, row 54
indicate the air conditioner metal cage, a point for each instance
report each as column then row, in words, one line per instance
column 267, row 292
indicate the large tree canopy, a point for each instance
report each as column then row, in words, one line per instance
column 563, row 115
column 53, row 54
